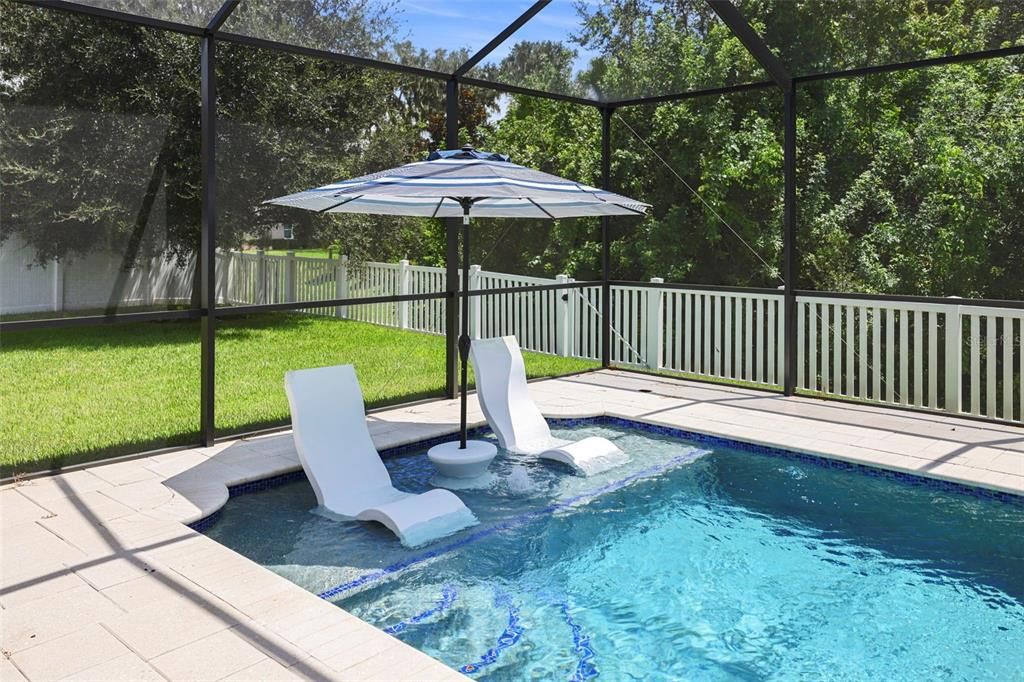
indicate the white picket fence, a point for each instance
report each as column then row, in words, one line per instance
column 913, row 354
column 937, row 355
column 559, row 322
column 940, row 356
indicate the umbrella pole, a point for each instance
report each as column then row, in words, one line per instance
column 464, row 338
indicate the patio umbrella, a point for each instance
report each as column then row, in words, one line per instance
column 465, row 183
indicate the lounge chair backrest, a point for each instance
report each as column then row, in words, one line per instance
column 503, row 394
column 331, row 437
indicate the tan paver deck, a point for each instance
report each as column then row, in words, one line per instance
column 100, row 580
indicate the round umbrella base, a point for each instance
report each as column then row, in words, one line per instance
column 454, row 462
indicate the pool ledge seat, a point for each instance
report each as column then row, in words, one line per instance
column 513, row 416
column 344, row 467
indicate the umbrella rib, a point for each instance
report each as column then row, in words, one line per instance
column 438, row 208
column 340, row 203
column 613, row 203
column 546, row 212
column 630, row 209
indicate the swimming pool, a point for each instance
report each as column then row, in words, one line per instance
column 697, row 560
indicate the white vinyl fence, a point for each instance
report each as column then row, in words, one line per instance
column 559, row 322
column 87, row 282
column 944, row 355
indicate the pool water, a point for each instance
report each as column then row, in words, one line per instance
column 690, row 562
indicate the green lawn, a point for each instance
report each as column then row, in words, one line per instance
column 75, row 394
column 301, row 253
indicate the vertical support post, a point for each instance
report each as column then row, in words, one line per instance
column 289, row 277
column 341, row 286
column 475, row 303
column 403, row 290
column 58, row 286
column 261, row 276
column 208, row 238
column 451, row 280
column 954, row 359
column 790, row 256
column 606, row 294
column 655, row 329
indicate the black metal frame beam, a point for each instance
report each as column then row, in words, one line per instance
column 531, row 288
column 763, row 291
column 451, row 255
column 501, row 37
column 327, row 55
column 237, row 310
column 757, row 48
column 92, row 320
column 115, row 15
column 207, row 261
column 790, row 251
column 221, row 16
column 257, row 308
column 898, row 298
column 529, row 92
column 606, row 263
column 944, row 60
column 694, row 94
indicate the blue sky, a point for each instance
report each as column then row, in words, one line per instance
column 432, row 24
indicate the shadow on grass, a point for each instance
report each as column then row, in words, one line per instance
column 124, row 448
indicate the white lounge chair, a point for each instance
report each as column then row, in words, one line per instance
column 344, row 467
column 513, row 416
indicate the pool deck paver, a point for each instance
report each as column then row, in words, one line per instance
column 101, row 580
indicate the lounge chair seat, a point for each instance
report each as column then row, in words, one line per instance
column 344, row 467
column 513, row 416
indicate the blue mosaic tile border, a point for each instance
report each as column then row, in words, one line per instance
column 903, row 477
column 203, row 524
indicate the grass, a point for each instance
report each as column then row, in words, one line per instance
column 79, row 394
column 302, row 253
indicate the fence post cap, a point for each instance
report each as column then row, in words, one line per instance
column 657, row 280
column 290, row 254
column 562, row 278
column 404, row 263
column 474, row 268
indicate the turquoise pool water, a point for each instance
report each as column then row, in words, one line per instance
column 691, row 562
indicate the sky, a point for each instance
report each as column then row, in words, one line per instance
column 432, row 24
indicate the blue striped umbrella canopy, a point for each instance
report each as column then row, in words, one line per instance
column 450, row 184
